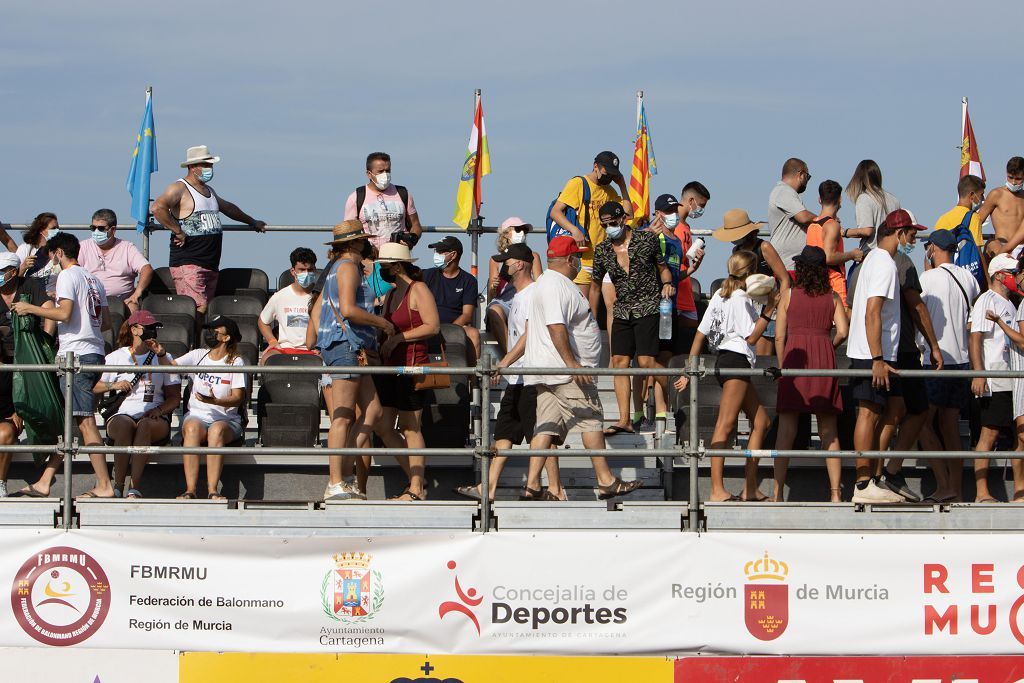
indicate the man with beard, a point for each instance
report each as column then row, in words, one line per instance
column 788, row 218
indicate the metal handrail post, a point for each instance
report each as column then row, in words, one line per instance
column 693, row 451
column 67, row 448
column 145, row 241
column 484, row 448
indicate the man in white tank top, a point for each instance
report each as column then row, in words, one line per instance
column 190, row 209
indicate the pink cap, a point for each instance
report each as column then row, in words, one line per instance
column 512, row 222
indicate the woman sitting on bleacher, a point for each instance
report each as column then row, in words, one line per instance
column 214, row 409
column 144, row 416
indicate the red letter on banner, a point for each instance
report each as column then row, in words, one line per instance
column 933, row 620
column 981, row 578
column 935, row 576
column 976, row 620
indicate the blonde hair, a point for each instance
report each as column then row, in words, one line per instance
column 504, row 238
column 867, row 179
column 741, row 265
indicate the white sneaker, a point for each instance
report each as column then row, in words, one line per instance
column 352, row 487
column 337, row 492
column 873, row 494
column 3, row 489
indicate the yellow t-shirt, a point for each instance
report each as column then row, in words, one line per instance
column 572, row 195
column 954, row 217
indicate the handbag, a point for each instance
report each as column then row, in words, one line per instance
column 433, row 381
column 111, row 402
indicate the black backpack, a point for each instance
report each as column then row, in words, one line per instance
column 403, row 194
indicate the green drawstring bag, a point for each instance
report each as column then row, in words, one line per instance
column 37, row 397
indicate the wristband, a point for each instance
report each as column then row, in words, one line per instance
column 877, row 358
column 162, row 355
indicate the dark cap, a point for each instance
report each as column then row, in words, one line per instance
column 610, row 161
column 144, row 318
column 943, row 239
column 611, row 210
column 811, row 256
column 225, row 322
column 519, row 252
column 449, row 243
column 900, row 219
column 666, row 203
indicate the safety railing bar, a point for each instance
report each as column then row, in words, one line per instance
column 282, row 369
column 48, row 449
column 30, row 368
column 820, row 455
column 316, row 450
column 237, row 227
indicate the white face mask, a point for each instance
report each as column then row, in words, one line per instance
column 671, row 220
column 382, row 180
column 697, row 213
column 517, row 237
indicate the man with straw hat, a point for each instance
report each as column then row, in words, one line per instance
column 190, row 209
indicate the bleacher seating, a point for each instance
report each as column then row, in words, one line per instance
column 715, row 286
column 176, row 339
column 244, row 282
column 174, row 310
column 244, row 310
column 118, row 314
column 288, row 405
column 162, row 282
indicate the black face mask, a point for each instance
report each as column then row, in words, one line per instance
column 148, row 333
column 367, row 251
column 605, row 179
column 210, row 338
column 503, row 272
column 387, row 275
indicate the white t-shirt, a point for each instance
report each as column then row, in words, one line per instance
column 291, row 311
column 948, row 310
column 877, row 277
column 48, row 273
column 219, row 385
column 81, row 333
column 557, row 300
column 728, row 322
column 148, row 392
column 995, row 346
column 518, row 314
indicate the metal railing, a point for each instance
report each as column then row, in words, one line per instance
column 692, row 449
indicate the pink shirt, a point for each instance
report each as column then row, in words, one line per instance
column 382, row 213
column 116, row 267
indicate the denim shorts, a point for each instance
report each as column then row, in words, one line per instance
column 341, row 354
column 82, row 398
column 236, row 423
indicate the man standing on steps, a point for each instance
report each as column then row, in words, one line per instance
column 190, row 209
column 563, row 333
column 1005, row 204
column 385, row 209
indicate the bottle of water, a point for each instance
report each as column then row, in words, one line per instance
column 665, row 319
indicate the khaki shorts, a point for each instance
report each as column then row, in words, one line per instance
column 562, row 408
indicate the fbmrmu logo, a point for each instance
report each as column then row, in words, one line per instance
column 539, row 607
column 766, row 605
column 60, row 596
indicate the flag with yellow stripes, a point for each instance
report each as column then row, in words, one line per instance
column 644, row 166
column 476, row 166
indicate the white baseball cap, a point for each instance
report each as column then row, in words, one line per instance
column 1000, row 263
column 9, row 259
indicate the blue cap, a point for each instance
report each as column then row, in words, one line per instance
column 943, row 239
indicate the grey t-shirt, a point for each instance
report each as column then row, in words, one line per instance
column 787, row 236
column 870, row 214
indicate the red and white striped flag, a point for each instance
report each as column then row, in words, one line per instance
column 970, row 157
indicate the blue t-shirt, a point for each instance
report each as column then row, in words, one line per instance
column 672, row 250
column 451, row 293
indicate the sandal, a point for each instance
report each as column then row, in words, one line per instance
column 986, row 500
column 471, row 492
column 618, row 488
column 1018, row 497
column 548, row 496
column 91, row 494
column 531, row 494
column 216, row 496
column 412, row 497
column 29, row 492
column 617, row 429
column 188, row 495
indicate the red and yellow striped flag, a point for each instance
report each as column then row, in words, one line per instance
column 644, row 166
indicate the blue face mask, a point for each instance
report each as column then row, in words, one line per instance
column 906, row 249
column 614, row 232
column 206, row 175
column 306, row 279
column 671, row 220
column 697, row 213
column 440, row 260
column 100, row 236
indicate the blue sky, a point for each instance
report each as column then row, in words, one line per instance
column 294, row 96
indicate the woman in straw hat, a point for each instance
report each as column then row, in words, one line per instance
column 343, row 328
column 738, row 229
column 732, row 325
column 411, row 308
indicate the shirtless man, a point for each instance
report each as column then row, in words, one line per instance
column 1006, row 206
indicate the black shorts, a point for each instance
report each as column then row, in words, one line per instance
column 635, row 337
column 683, row 332
column 949, row 393
column 915, row 391
column 731, row 359
column 397, row 392
column 517, row 414
column 997, row 409
column 862, row 390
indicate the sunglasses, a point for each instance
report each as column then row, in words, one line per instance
column 522, row 228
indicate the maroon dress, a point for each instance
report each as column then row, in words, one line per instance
column 809, row 346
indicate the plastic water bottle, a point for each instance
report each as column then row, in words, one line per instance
column 665, row 319
column 697, row 244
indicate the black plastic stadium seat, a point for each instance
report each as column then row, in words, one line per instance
column 177, row 304
column 175, row 348
column 695, row 284
column 162, row 282
column 446, row 411
column 117, row 307
column 233, row 306
column 285, row 279
column 288, row 406
column 298, row 360
column 231, row 280
column 174, row 332
column 249, row 353
column 715, row 286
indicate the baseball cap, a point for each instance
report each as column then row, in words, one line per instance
column 226, row 323
column 610, row 162
column 666, row 203
column 563, row 246
column 519, row 252
column 611, row 210
column 9, row 259
column 145, row 318
column 943, row 239
column 515, row 222
column 1002, row 262
column 901, row 219
column 811, row 256
column 449, row 243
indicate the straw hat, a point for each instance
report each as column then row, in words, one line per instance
column 395, row 252
column 198, row 155
column 346, row 231
column 736, row 224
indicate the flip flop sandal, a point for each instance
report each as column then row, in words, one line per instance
column 616, row 429
column 617, row 488
column 986, row 500
column 531, row 494
column 411, row 497
column 188, row 495
column 548, row 496
column 216, row 496
column 29, row 492
column 470, row 492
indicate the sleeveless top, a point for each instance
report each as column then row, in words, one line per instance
column 762, row 266
column 330, row 329
column 836, row 274
column 405, row 319
column 203, row 232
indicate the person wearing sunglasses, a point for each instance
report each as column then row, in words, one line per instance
column 118, row 264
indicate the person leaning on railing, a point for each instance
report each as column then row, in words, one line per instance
column 144, row 416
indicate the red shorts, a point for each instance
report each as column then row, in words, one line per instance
column 195, row 281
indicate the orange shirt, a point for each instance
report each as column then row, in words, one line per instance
column 836, row 274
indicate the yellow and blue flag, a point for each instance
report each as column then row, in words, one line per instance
column 476, row 166
column 144, row 164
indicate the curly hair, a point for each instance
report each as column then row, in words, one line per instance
column 504, row 238
column 812, row 279
column 35, row 229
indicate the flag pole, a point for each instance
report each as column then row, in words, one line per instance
column 146, row 231
column 476, row 223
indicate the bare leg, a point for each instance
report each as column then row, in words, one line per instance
column 949, row 427
column 539, row 442
column 622, row 392
column 595, row 441
column 193, row 434
column 828, row 432
column 733, row 393
column 220, row 435
column 91, row 437
column 344, row 392
column 865, row 436
column 148, row 432
column 783, row 442
column 759, row 426
column 8, row 436
column 986, row 442
column 121, row 430
column 409, row 423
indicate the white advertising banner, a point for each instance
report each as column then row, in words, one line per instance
column 517, row 593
